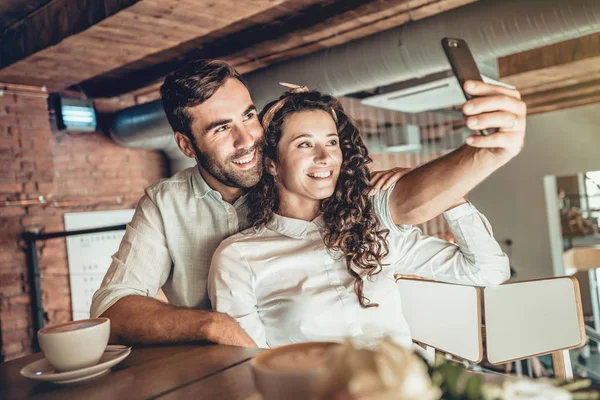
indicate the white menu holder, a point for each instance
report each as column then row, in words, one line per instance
column 444, row 316
column 505, row 323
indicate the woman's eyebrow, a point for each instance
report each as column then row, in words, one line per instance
column 305, row 135
column 301, row 136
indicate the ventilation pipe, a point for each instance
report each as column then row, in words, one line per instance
column 493, row 28
column 145, row 126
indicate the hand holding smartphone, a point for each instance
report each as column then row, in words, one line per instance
column 464, row 68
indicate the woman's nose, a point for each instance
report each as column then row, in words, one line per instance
column 321, row 155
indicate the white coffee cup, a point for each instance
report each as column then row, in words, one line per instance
column 290, row 372
column 76, row 344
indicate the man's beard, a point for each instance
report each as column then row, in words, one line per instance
column 227, row 173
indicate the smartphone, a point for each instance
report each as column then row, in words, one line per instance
column 464, row 68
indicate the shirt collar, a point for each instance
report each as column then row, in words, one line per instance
column 199, row 185
column 201, row 188
column 294, row 228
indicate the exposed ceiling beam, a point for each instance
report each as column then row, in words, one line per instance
column 562, row 75
column 566, row 102
column 240, row 37
column 367, row 20
column 108, row 40
column 314, row 29
column 51, row 23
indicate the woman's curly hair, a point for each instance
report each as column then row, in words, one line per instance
column 352, row 227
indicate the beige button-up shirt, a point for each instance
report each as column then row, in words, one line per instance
column 169, row 243
column 283, row 286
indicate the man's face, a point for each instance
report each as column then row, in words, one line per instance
column 228, row 136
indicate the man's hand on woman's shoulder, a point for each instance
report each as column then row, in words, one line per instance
column 382, row 180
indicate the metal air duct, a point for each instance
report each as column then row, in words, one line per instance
column 493, row 28
column 146, row 126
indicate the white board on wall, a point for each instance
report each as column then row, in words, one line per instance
column 89, row 255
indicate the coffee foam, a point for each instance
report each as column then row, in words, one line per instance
column 305, row 358
column 71, row 326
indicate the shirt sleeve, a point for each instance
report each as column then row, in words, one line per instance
column 476, row 258
column 142, row 264
column 231, row 284
column 381, row 207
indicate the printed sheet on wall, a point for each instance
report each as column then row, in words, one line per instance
column 89, row 255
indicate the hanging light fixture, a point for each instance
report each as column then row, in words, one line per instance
column 73, row 115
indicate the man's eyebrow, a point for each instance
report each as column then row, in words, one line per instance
column 214, row 124
column 250, row 108
column 220, row 122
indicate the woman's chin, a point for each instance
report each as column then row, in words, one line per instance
column 322, row 194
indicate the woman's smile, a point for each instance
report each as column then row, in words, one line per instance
column 321, row 175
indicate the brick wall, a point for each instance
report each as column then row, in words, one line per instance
column 84, row 172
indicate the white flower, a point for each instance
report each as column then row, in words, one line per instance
column 387, row 371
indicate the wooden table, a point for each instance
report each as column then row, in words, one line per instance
column 177, row 371
column 200, row 372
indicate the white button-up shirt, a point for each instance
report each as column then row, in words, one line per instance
column 283, row 286
column 169, row 243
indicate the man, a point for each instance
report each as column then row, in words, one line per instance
column 180, row 221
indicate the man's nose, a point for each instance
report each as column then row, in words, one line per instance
column 243, row 138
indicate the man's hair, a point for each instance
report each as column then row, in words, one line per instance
column 190, row 86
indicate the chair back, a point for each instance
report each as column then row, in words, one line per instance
column 444, row 316
column 532, row 318
column 515, row 320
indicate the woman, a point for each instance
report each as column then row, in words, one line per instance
column 320, row 260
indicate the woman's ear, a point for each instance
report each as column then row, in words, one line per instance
column 270, row 166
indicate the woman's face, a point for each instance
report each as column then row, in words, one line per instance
column 309, row 158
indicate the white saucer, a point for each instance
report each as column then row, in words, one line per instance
column 42, row 370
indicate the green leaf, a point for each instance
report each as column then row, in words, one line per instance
column 473, row 388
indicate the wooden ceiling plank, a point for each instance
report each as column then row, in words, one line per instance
column 557, row 54
column 554, row 73
column 330, row 33
column 52, row 23
column 560, row 105
column 150, row 29
column 561, row 83
column 121, row 24
column 433, row 8
column 213, row 45
column 585, row 89
column 137, row 20
column 550, row 78
column 562, row 75
column 255, row 48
